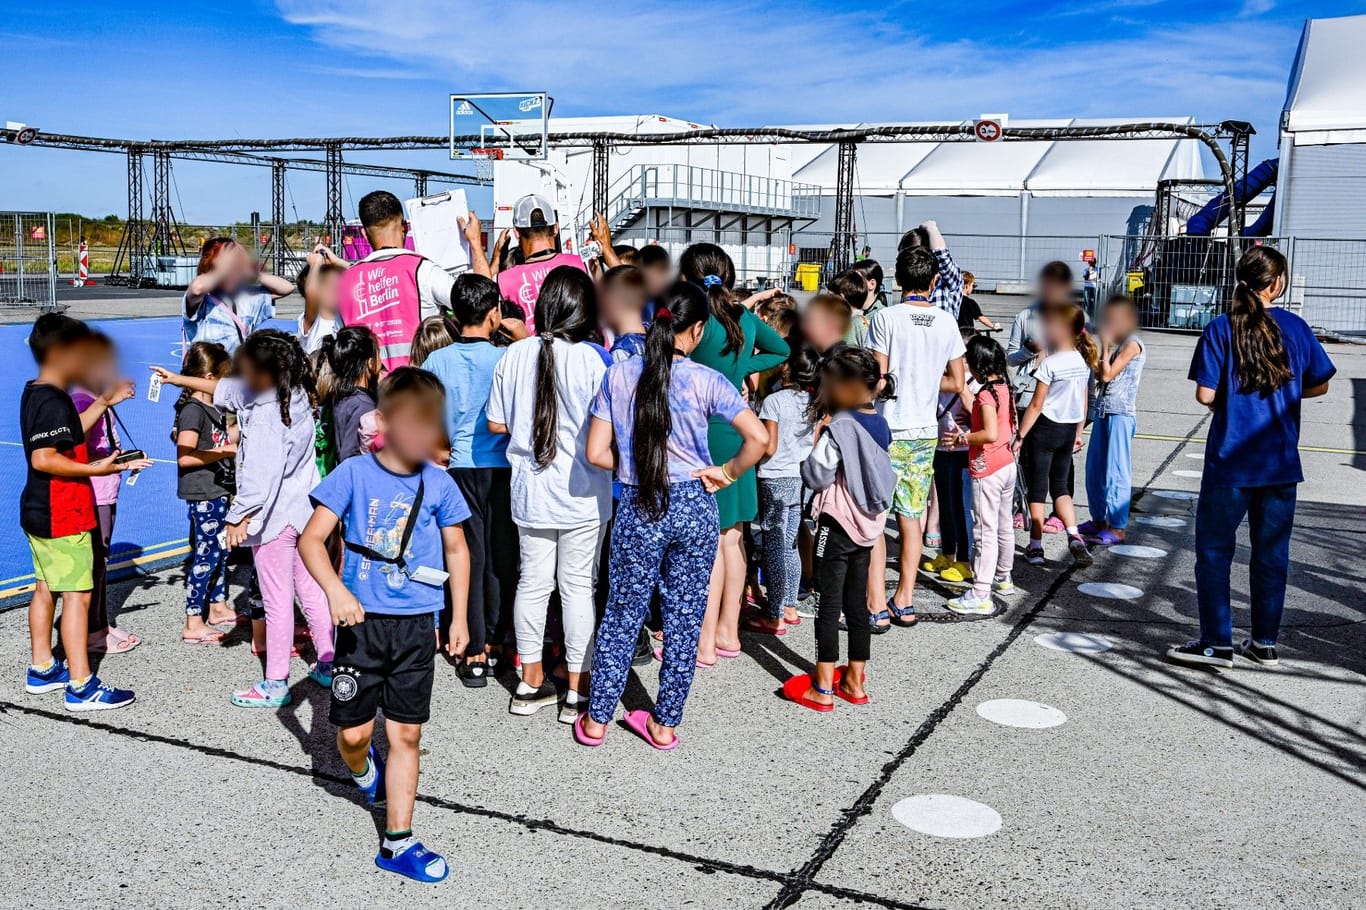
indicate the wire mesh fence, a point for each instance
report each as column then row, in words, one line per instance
column 28, row 265
column 1183, row 282
column 1180, row 282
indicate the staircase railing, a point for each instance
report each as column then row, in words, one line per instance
column 686, row 186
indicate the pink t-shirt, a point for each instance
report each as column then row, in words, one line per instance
column 522, row 283
column 101, row 442
column 986, row 460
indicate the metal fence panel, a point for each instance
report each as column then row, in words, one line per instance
column 28, row 261
column 1180, row 282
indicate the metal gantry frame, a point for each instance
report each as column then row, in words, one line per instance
column 277, row 247
column 244, row 151
column 602, row 150
column 132, row 245
column 842, row 244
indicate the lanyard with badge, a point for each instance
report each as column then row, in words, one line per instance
column 112, row 438
column 422, row 574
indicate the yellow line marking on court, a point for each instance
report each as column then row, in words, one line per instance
column 1322, row 449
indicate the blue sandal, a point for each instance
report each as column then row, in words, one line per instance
column 875, row 618
column 417, row 863
column 899, row 614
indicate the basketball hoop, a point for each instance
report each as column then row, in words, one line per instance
column 483, row 161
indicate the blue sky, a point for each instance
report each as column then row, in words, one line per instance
column 345, row 67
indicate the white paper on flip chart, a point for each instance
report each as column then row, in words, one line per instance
column 436, row 230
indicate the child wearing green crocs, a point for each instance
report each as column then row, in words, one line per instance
column 405, row 547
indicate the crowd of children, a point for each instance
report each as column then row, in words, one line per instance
column 456, row 469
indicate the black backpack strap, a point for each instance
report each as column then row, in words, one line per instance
column 403, row 542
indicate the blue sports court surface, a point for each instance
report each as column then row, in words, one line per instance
column 151, row 526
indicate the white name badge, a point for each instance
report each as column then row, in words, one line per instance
column 428, row 576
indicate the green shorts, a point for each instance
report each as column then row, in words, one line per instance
column 63, row 563
column 913, row 462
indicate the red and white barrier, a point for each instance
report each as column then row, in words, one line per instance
column 83, row 258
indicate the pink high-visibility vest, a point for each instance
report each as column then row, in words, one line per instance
column 382, row 295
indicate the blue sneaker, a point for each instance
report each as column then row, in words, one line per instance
column 55, row 677
column 96, row 696
column 374, row 793
column 417, row 863
column 321, row 673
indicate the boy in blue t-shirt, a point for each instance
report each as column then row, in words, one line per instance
column 404, row 543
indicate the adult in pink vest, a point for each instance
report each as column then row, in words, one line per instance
column 537, row 228
column 393, row 289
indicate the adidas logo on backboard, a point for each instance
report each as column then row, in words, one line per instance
column 464, row 110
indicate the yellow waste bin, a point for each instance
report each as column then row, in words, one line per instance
column 1135, row 281
column 809, row 276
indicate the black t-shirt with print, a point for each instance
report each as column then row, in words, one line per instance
column 211, row 481
column 52, row 506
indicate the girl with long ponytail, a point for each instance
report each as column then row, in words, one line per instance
column 541, row 392
column 735, row 343
column 650, row 424
column 1051, row 428
column 1253, row 368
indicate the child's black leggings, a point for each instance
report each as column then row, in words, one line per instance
column 1048, row 467
column 842, row 580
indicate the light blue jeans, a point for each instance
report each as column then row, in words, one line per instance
column 1109, row 469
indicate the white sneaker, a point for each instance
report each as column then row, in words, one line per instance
column 969, row 605
column 1003, row 586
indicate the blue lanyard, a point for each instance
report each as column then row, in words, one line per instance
column 920, row 297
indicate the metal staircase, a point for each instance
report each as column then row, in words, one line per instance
column 685, row 188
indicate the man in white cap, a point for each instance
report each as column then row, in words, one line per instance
column 537, row 226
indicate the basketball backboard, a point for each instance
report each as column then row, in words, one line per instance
column 500, row 126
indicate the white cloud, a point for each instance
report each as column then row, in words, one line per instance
column 755, row 63
column 1256, row 7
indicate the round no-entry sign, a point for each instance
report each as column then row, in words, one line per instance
column 988, row 130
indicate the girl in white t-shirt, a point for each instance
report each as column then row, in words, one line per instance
column 541, row 393
column 1050, row 431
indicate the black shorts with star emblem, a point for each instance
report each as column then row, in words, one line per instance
column 386, row 662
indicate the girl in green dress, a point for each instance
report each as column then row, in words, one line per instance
column 735, row 343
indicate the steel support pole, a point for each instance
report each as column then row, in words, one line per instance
column 277, row 216
column 842, row 247
column 161, row 203
column 420, row 184
column 133, row 244
column 333, row 221
column 601, row 150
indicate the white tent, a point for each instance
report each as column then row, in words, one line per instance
column 1321, row 185
column 1321, row 190
column 1008, row 206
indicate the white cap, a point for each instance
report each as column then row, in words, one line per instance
column 533, row 211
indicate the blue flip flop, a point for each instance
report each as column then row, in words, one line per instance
column 417, row 863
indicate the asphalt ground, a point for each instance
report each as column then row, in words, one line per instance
column 1164, row 788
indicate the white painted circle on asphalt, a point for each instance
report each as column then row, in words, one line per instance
column 1137, row 552
column 1186, row 472
column 1110, row 590
column 1076, row 642
column 1161, row 521
column 942, row 815
column 1017, row 712
column 1196, row 455
column 1186, row 495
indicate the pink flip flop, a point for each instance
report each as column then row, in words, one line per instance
column 659, row 656
column 583, row 738
column 207, row 637
column 727, row 653
column 636, row 721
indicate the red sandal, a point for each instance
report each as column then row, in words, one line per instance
column 794, row 690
